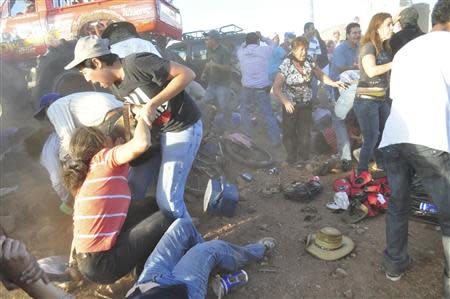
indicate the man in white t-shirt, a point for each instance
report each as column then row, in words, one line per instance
column 416, row 138
column 66, row 114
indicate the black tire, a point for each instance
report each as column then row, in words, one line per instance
column 255, row 157
column 51, row 76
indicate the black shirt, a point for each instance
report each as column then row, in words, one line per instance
column 220, row 55
column 162, row 292
column 383, row 57
column 145, row 76
column 404, row 36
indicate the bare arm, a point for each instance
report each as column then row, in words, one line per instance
column 371, row 68
column 279, row 81
column 179, row 76
column 327, row 80
column 140, row 142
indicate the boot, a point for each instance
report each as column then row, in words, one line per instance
column 446, row 243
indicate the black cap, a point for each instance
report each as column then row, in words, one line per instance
column 119, row 31
column 251, row 38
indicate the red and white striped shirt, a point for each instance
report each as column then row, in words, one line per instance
column 101, row 204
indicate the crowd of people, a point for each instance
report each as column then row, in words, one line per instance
column 104, row 180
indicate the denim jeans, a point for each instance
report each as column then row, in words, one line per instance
column 433, row 168
column 139, row 235
column 343, row 141
column 178, row 153
column 220, row 96
column 181, row 257
column 144, row 177
column 371, row 115
column 253, row 99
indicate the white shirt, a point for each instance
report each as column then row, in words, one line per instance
column 50, row 160
column 314, row 47
column 133, row 45
column 420, row 90
column 79, row 109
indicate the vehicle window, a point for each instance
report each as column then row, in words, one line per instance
column 180, row 51
column 198, row 52
column 64, row 3
column 20, row 7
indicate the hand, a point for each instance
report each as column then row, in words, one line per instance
column 18, row 264
column 135, row 110
column 340, row 85
column 148, row 114
column 289, row 106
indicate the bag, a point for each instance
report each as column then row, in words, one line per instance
column 221, row 197
column 303, row 191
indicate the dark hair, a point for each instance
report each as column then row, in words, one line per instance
column 84, row 144
column 350, row 26
column 307, row 25
column 299, row 41
column 251, row 38
column 371, row 35
column 441, row 12
column 108, row 59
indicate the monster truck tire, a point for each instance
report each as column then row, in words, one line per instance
column 51, row 76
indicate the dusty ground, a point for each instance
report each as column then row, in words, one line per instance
column 289, row 273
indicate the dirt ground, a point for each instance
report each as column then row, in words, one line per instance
column 290, row 272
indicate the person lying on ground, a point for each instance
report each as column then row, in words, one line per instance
column 156, row 87
column 181, row 263
column 111, row 236
column 20, row 268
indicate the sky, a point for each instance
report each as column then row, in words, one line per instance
column 270, row 16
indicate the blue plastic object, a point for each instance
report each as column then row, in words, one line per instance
column 221, row 197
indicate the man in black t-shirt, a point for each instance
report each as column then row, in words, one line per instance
column 155, row 87
column 217, row 73
column 410, row 29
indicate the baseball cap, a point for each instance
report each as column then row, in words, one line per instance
column 213, row 33
column 46, row 101
column 88, row 47
column 408, row 16
column 289, row 35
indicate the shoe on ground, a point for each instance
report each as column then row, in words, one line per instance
column 269, row 243
column 394, row 277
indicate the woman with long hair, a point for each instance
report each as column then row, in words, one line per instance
column 292, row 88
column 372, row 104
column 110, row 237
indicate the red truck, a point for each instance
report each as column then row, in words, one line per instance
column 40, row 35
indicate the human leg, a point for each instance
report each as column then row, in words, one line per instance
column 304, row 122
column 179, row 237
column 384, row 109
column 367, row 113
column 263, row 103
column 290, row 138
column 247, row 100
column 399, row 173
column 143, row 177
column 223, row 98
column 178, row 153
column 343, row 141
column 135, row 244
column 196, row 265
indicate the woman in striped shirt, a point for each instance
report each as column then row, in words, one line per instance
column 109, row 240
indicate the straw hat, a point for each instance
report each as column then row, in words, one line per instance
column 329, row 244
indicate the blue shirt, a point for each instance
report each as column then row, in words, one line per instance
column 276, row 59
column 343, row 55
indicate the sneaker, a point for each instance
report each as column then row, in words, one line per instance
column 394, row 277
column 268, row 242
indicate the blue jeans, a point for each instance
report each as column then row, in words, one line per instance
column 178, row 153
column 143, row 177
column 371, row 115
column 181, row 257
column 433, row 168
column 258, row 99
column 220, row 96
